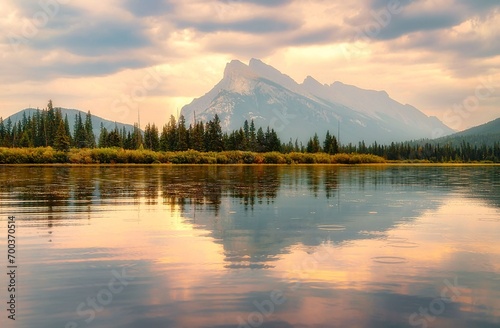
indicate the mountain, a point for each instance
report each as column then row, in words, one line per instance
column 96, row 120
column 485, row 134
column 260, row 92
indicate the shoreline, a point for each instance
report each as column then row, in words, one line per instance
column 47, row 156
column 243, row 164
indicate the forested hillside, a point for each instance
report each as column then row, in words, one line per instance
column 48, row 128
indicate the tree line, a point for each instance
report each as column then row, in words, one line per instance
column 428, row 151
column 175, row 136
column 48, row 127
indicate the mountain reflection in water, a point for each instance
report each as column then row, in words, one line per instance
column 207, row 246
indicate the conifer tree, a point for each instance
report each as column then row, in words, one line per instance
column 151, row 139
column 213, row 135
column 313, row 145
column 260, row 141
column 79, row 136
column 246, row 136
column 252, row 137
column 330, row 145
column 182, row 134
column 198, row 137
column 61, row 140
column 2, row 133
column 103, row 137
column 51, row 125
column 137, row 138
column 113, row 138
column 89, row 131
column 172, row 136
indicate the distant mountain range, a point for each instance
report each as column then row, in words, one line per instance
column 260, row 92
column 71, row 113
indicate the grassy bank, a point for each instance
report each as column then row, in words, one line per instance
column 47, row 155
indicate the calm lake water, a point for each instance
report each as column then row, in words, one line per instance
column 253, row 246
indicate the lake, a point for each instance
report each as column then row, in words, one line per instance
column 252, row 246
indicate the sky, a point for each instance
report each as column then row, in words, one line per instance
column 118, row 57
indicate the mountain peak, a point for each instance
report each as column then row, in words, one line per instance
column 311, row 81
column 256, row 62
column 272, row 74
column 237, row 68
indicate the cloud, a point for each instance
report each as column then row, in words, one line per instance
column 260, row 25
column 97, row 67
column 151, row 8
column 56, row 14
column 451, row 42
column 382, row 21
column 60, row 64
column 266, row 3
column 407, row 23
column 241, row 46
column 319, row 36
column 472, row 39
column 94, row 38
column 462, row 46
column 480, row 6
column 28, row 8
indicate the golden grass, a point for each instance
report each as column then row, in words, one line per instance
column 48, row 155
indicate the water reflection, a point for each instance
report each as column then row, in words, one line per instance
column 208, row 246
column 207, row 185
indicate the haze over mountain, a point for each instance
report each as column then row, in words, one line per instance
column 486, row 134
column 260, row 92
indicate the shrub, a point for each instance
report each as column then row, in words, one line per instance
column 323, row 158
column 309, row 159
column 80, row 156
column 47, row 155
column 234, row 156
column 104, row 155
column 258, row 159
column 61, row 157
column 222, row 159
column 341, row 158
column 274, row 158
column 248, row 158
column 124, row 156
column 296, row 157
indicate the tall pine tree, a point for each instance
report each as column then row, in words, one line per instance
column 89, row 131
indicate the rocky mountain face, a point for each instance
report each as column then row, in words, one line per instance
column 260, row 92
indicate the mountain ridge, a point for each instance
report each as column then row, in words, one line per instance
column 298, row 110
column 484, row 134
